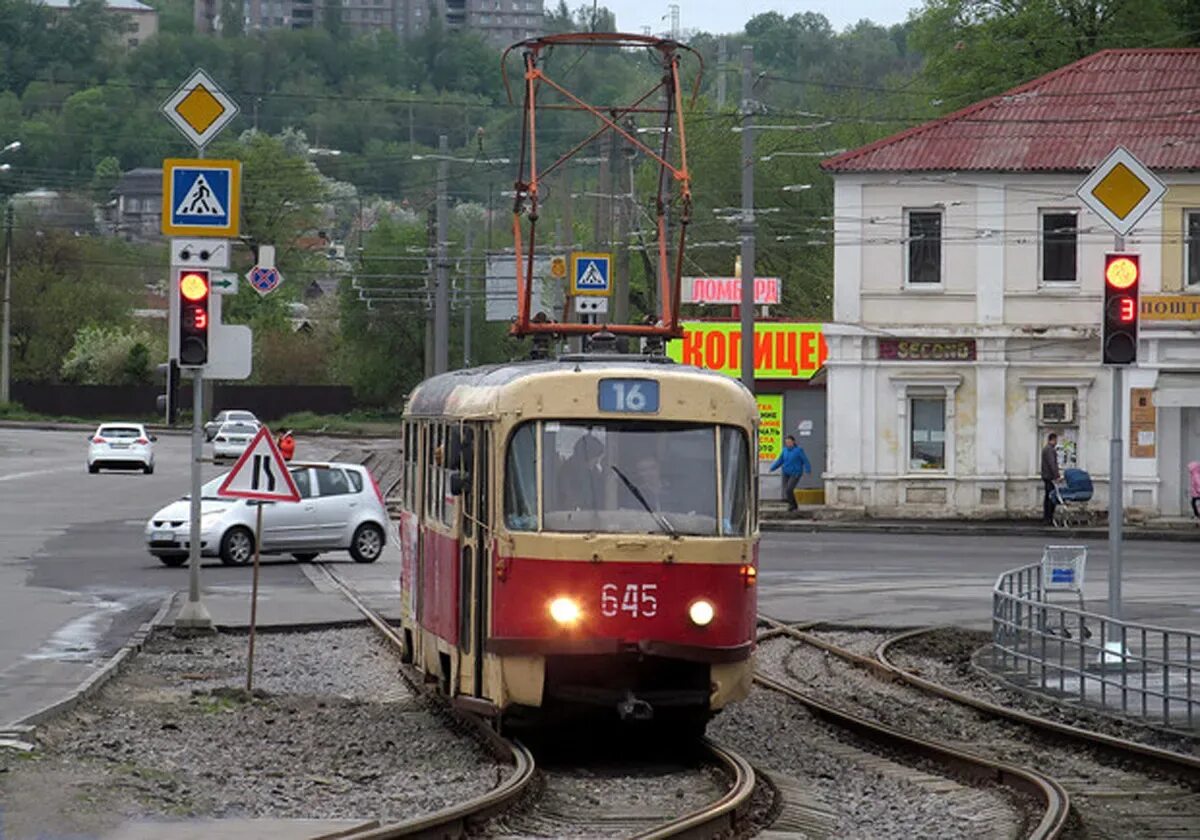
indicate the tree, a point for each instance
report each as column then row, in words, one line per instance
column 108, row 172
column 976, row 48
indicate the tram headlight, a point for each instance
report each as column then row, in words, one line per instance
column 701, row 613
column 564, row 610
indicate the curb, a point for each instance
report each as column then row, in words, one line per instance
column 813, row 526
column 107, row 671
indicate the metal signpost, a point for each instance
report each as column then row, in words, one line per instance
column 200, row 198
column 1120, row 191
column 260, row 474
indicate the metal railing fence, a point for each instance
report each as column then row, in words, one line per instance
column 1138, row 670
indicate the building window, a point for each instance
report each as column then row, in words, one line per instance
column 1060, row 239
column 924, row 247
column 927, row 433
column 1191, row 248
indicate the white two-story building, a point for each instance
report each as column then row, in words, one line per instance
column 967, row 298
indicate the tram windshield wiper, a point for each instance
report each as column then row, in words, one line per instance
column 637, row 494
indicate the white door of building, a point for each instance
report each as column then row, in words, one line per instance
column 1189, row 447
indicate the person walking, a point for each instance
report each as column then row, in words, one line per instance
column 795, row 464
column 1050, row 477
column 1194, row 474
column 287, row 444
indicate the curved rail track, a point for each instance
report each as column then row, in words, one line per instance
column 717, row 818
column 1161, row 797
column 1051, row 796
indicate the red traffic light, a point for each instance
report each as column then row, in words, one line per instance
column 1120, row 271
column 193, row 285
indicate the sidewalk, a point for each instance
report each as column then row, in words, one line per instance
column 773, row 517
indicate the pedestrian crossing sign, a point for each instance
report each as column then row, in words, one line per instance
column 589, row 273
column 201, row 197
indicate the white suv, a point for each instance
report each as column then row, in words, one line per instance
column 121, row 446
column 340, row 508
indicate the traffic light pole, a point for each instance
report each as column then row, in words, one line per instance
column 1116, row 501
column 194, row 615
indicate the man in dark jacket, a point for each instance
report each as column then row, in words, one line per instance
column 795, row 464
column 1050, row 476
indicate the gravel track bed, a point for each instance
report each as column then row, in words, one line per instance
column 944, row 656
column 865, row 795
column 863, row 642
column 330, row 732
column 609, row 798
column 1111, row 797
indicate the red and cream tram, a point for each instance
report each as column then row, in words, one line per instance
column 580, row 533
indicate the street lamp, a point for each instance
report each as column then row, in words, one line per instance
column 796, row 187
column 827, row 153
column 6, row 329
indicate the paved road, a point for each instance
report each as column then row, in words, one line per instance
column 76, row 581
column 75, row 578
column 897, row 580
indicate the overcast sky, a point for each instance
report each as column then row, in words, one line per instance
column 721, row 16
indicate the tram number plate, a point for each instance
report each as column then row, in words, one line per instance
column 636, row 396
column 636, row 599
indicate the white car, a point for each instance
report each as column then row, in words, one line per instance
column 118, row 446
column 340, row 508
column 232, row 439
column 229, row 416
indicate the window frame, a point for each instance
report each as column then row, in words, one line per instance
column 1190, row 243
column 909, row 242
column 1043, row 243
column 914, row 396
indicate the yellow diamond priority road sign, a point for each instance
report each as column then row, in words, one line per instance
column 200, row 109
column 1120, row 190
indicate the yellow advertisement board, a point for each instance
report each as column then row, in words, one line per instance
column 770, row 426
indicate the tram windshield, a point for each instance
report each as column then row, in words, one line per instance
column 628, row 477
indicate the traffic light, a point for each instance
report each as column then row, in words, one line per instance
column 168, row 404
column 194, row 291
column 1119, row 334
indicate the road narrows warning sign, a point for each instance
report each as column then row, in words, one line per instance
column 260, row 473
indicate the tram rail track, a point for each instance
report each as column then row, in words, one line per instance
column 1053, row 799
column 719, row 817
column 1095, row 774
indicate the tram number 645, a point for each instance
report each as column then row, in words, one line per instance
column 637, row 599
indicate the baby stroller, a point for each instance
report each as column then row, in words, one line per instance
column 1071, row 498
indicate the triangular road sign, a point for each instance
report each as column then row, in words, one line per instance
column 592, row 277
column 261, row 473
column 200, row 200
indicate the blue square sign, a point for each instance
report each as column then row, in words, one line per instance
column 589, row 273
column 201, row 197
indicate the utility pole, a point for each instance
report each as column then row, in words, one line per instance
column 468, row 301
column 431, row 248
column 624, row 211
column 598, row 231
column 722, row 64
column 6, row 333
column 746, row 226
column 441, row 291
column 1116, row 468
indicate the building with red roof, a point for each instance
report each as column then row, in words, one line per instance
column 968, row 294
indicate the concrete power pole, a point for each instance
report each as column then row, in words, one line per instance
column 468, row 301
column 722, row 65
column 427, row 298
column 6, row 334
column 441, row 291
column 747, row 223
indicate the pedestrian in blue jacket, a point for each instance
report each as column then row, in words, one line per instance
column 795, row 464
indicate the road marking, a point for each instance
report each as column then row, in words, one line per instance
column 31, row 473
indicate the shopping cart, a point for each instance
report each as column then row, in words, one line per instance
column 1071, row 499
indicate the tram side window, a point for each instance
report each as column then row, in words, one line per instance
column 735, row 481
column 410, row 465
column 520, row 480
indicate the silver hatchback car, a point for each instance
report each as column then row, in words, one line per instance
column 340, row 508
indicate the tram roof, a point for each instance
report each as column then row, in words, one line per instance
column 478, row 390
